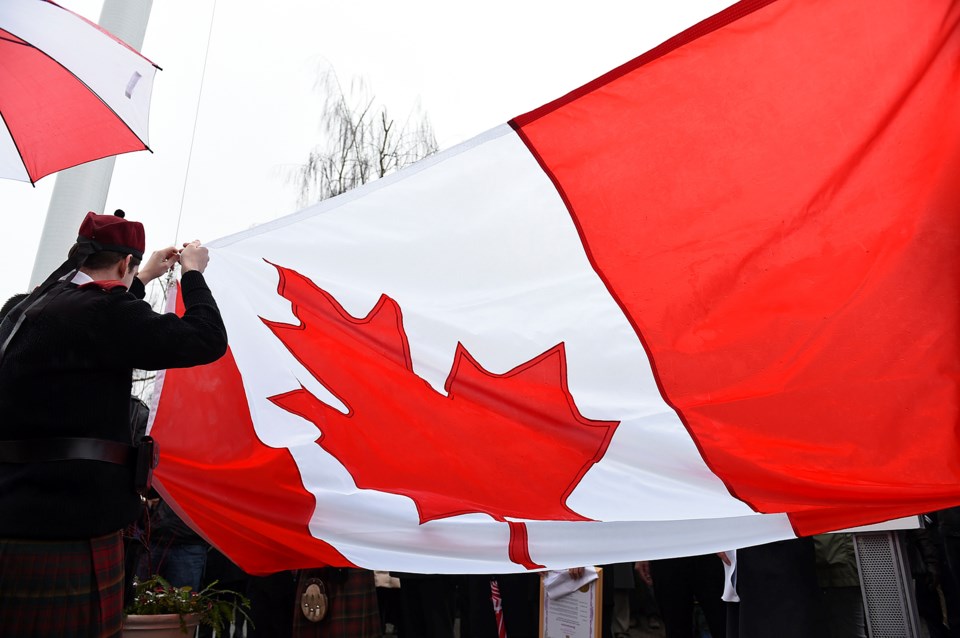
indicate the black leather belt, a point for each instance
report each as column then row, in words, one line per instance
column 67, row 449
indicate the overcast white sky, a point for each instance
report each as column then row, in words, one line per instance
column 471, row 66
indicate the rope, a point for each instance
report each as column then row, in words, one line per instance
column 196, row 118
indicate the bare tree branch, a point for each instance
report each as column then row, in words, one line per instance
column 363, row 142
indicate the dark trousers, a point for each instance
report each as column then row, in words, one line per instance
column 678, row 582
column 271, row 604
column 779, row 595
column 427, row 606
column 949, row 530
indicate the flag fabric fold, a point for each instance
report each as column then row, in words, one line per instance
column 706, row 301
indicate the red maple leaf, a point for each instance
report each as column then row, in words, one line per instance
column 509, row 445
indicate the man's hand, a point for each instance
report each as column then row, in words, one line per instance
column 160, row 262
column 194, row 257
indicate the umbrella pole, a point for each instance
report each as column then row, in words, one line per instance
column 84, row 188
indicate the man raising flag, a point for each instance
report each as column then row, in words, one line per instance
column 70, row 478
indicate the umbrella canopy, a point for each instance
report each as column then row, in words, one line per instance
column 70, row 92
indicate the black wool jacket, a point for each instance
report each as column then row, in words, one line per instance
column 68, row 373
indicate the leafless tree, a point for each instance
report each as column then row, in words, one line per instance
column 363, row 142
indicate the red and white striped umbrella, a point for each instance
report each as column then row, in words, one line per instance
column 70, row 92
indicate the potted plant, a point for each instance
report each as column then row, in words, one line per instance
column 160, row 610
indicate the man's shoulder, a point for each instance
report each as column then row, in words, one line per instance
column 93, row 298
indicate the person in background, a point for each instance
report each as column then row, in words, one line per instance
column 175, row 551
column 948, row 533
column 271, row 606
column 334, row 602
column 618, row 586
column 681, row 583
column 427, row 605
column 927, row 567
column 779, row 595
column 839, row 582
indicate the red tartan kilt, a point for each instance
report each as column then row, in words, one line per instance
column 61, row 589
column 352, row 611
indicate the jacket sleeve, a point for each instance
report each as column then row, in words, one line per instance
column 137, row 289
column 151, row 341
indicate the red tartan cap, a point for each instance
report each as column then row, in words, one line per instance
column 114, row 233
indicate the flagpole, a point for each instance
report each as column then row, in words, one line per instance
column 84, row 188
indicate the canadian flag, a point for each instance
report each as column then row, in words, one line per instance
column 706, row 301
